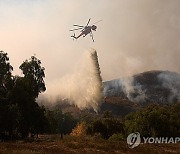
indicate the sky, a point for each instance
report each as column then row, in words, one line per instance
column 134, row 35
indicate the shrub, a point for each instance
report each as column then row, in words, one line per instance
column 79, row 130
column 116, row 137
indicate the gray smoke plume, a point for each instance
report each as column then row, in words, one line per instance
column 82, row 88
column 133, row 90
column 125, row 86
column 171, row 81
column 152, row 86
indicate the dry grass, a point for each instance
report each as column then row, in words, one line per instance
column 52, row 144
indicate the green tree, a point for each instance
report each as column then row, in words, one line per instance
column 175, row 119
column 59, row 122
column 106, row 126
column 25, row 91
column 5, row 75
column 154, row 120
column 6, row 83
column 34, row 76
column 19, row 111
column 38, row 121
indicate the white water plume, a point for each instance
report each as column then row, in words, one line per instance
column 82, row 88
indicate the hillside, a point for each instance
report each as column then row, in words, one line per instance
column 122, row 96
column 151, row 86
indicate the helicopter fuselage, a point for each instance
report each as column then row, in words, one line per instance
column 84, row 30
column 87, row 30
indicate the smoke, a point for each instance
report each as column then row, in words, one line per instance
column 171, row 81
column 133, row 91
column 154, row 86
column 82, row 88
column 125, row 86
column 135, row 36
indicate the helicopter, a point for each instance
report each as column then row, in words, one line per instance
column 85, row 30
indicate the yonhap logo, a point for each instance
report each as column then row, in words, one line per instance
column 133, row 140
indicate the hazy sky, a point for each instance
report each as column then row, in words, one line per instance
column 134, row 36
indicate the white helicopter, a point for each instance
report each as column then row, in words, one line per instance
column 85, row 30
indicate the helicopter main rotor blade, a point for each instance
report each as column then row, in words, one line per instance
column 88, row 21
column 78, row 25
column 97, row 21
column 75, row 29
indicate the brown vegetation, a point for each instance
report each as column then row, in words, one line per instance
column 47, row 144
